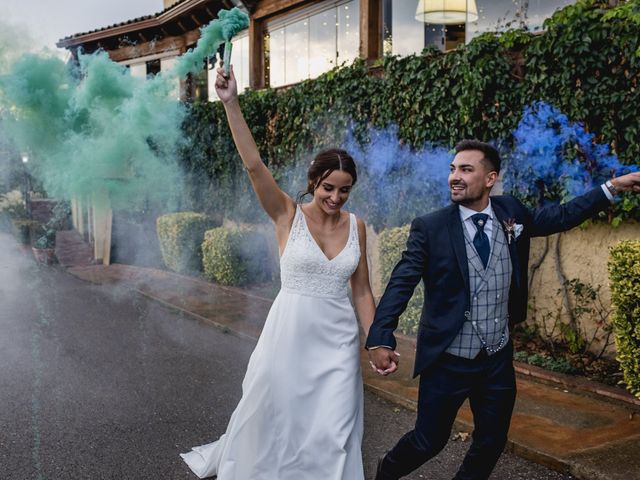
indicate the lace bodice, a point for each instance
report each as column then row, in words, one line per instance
column 305, row 269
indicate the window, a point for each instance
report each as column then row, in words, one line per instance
column 153, row 67
column 312, row 41
column 404, row 35
column 498, row 15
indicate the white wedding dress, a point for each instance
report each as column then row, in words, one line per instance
column 301, row 412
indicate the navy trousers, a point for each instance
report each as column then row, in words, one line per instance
column 489, row 384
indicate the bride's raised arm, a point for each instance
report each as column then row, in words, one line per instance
column 278, row 205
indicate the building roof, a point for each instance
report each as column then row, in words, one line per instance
column 180, row 17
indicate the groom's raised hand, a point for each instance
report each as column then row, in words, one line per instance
column 383, row 360
column 627, row 183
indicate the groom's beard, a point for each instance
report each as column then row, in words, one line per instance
column 463, row 197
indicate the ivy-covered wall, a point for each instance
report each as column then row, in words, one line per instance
column 586, row 65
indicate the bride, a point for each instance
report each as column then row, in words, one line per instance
column 301, row 412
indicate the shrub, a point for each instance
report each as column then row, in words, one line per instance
column 561, row 365
column 43, row 235
column 12, row 204
column 236, row 256
column 391, row 244
column 624, row 274
column 180, row 236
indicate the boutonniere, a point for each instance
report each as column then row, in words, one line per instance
column 512, row 229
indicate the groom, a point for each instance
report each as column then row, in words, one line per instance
column 472, row 257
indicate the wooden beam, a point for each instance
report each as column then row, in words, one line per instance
column 209, row 12
column 148, row 48
column 142, row 37
column 269, row 7
column 191, row 37
column 370, row 30
column 257, row 72
column 182, row 27
column 195, row 20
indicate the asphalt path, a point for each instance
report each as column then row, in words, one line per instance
column 101, row 383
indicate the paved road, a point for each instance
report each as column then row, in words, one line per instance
column 100, row 383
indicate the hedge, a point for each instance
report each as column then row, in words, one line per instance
column 180, row 236
column 391, row 244
column 236, row 256
column 624, row 274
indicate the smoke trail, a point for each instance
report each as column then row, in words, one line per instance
column 554, row 159
column 230, row 23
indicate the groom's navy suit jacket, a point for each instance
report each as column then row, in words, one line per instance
column 436, row 254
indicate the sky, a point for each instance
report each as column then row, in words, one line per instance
column 48, row 21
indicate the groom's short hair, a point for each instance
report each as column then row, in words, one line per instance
column 491, row 155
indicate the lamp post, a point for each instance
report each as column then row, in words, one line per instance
column 27, row 186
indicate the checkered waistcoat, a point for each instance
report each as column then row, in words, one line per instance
column 489, row 288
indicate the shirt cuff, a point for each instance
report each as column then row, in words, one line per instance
column 607, row 192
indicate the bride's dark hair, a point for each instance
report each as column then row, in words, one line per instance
column 326, row 162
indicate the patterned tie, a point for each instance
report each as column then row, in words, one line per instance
column 481, row 241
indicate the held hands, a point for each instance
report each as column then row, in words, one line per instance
column 383, row 360
column 627, row 183
column 226, row 88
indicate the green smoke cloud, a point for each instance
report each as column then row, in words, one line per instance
column 94, row 128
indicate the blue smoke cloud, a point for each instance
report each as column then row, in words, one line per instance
column 395, row 182
column 554, row 159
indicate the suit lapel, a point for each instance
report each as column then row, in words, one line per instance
column 501, row 216
column 457, row 240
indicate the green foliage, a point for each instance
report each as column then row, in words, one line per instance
column 561, row 365
column 573, row 337
column 585, row 64
column 180, row 236
column 587, row 308
column 43, row 235
column 391, row 244
column 624, row 274
column 236, row 256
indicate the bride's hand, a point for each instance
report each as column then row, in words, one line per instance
column 226, row 88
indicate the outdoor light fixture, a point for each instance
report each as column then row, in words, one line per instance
column 25, row 158
column 447, row 12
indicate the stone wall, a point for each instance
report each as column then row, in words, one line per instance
column 581, row 253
